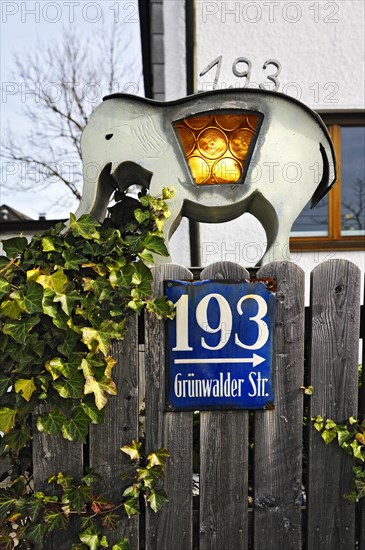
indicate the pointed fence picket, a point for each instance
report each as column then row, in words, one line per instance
column 267, row 481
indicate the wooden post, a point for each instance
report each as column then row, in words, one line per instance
column 224, row 461
column 278, row 433
column 335, row 302
column 171, row 528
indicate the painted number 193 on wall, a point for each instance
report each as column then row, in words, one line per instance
column 219, row 345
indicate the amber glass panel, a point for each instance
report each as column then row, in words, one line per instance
column 216, row 146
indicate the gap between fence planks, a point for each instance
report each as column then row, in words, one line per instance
column 278, row 444
column 171, row 528
column 224, row 461
column 335, row 303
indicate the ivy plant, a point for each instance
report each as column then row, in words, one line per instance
column 351, row 439
column 27, row 517
column 64, row 298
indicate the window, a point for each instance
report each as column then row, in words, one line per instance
column 339, row 219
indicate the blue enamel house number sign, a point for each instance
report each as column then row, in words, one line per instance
column 220, row 345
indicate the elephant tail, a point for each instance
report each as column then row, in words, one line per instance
column 328, row 179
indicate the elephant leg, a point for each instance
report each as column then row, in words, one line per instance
column 276, row 226
column 278, row 243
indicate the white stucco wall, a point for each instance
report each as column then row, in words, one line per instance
column 319, row 45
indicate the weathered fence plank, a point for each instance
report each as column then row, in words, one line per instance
column 361, row 504
column 335, row 302
column 224, row 461
column 52, row 455
column 171, row 528
column 278, row 432
column 119, row 428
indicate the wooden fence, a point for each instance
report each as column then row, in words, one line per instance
column 267, row 481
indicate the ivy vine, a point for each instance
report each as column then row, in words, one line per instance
column 64, row 298
column 351, row 439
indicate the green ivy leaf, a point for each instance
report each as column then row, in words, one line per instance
column 73, row 259
column 70, row 387
column 77, row 497
column 161, row 307
column 131, row 506
column 150, row 475
column 133, row 450
column 91, row 477
column 77, row 427
column 100, row 389
column 95, row 415
column 157, row 499
column 360, row 488
column 155, row 244
column 58, row 367
column 85, row 226
column 158, row 458
column 356, row 449
column 146, row 256
column 15, row 246
column 56, row 282
column 51, row 423
column 69, row 344
column 7, row 419
column 48, row 245
column 141, row 215
column 35, row 533
column 25, row 387
column 90, row 537
column 328, row 435
column 5, row 287
column 55, row 521
column 33, row 297
column 343, row 435
column 67, row 301
column 32, row 505
column 11, row 308
column 7, row 502
column 330, row 424
column 121, row 544
column 19, row 330
column 17, row 438
column 96, row 339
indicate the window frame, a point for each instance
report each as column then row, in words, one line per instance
column 334, row 239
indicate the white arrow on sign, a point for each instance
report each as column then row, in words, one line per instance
column 255, row 360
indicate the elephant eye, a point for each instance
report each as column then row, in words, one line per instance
column 108, row 136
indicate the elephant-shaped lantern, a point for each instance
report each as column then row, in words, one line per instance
column 217, row 149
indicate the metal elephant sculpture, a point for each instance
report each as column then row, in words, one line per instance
column 225, row 152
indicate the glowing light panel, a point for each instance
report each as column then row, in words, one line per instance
column 217, row 145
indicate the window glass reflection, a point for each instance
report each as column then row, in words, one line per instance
column 312, row 222
column 353, row 180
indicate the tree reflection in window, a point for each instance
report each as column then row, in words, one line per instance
column 352, row 180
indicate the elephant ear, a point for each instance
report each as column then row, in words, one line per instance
column 122, row 212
